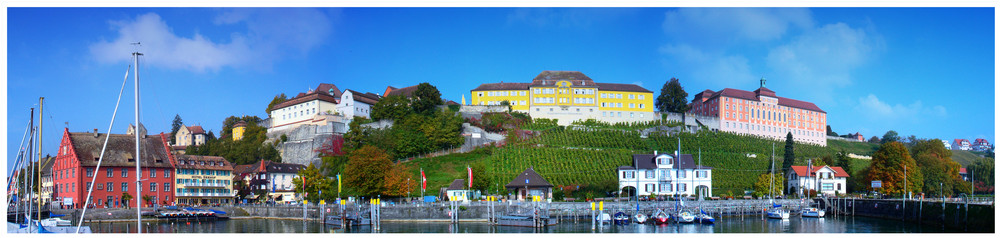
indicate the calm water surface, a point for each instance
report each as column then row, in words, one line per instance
column 723, row 225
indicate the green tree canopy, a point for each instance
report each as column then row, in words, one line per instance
column 278, row 99
column 874, row 139
column 176, row 126
column 789, row 159
column 829, row 131
column 393, row 107
column 938, row 169
column 887, row 166
column 890, row 136
column 370, row 172
column 426, row 99
column 672, row 97
column 314, row 183
column 764, row 183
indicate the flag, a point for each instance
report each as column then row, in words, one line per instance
column 470, row 175
column 423, row 180
column 338, row 183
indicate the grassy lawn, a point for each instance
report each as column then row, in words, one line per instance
column 442, row 170
column 965, row 158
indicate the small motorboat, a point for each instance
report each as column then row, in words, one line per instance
column 55, row 221
column 621, row 218
column 603, row 218
column 684, row 217
column 640, row 218
column 813, row 212
column 704, row 218
column 777, row 213
column 660, row 217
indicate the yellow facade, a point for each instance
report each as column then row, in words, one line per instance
column 238, row 132
column 518, row 98
column 626, row 101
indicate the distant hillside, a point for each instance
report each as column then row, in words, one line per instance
column 963, row 157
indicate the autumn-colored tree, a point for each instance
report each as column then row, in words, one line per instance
column 764, row 182
column 333, row 148
column 938, row 169
column 887, row 166
column 370, row 172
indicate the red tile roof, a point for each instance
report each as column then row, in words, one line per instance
column 405, row 92
column 196, row 130
column 621, row 87
column 801, row 171
column 324, row 92
column 962, row 171
column 364, row 97
column 747, row 95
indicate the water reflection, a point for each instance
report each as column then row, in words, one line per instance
column 723, row 225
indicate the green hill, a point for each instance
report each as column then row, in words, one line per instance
column 963, row 157
column 591, row 157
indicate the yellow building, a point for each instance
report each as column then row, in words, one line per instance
column 570, row 96
column 203, row 180
column 238, row 130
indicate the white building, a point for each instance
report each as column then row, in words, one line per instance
column 961, row 144
column 190, row 135
column 458, row 191
column 305, row 107
column 665, row 174
column 823, row 179
column 946, row 144
column 353, row 103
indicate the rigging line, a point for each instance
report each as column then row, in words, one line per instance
column 90, row 190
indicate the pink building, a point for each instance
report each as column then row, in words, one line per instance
column 762, row 113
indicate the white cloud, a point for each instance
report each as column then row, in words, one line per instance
column 719, row 26
column 823, row 58
column 873, row 108
column 714, row 69
column 270, row 35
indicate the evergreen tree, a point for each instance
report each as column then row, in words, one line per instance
column 789, row 159
column 426, row 99
column 672, row 97
column 278, row 99
column 176, row 126
column 890, row 136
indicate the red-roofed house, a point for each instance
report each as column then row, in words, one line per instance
column 190, row 135
column 824, row 179
column 762, row 113
column 964, row 173
column 961, row 144
column 981, row 145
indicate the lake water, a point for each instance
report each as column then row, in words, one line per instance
column 723, row 225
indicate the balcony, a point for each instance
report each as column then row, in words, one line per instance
column 205, row 185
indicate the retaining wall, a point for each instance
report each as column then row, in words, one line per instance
column 969, row 217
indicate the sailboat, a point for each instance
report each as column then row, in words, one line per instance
column 703, row 218
column 138, row 142
column 775, row 212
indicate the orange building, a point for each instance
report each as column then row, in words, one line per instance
column 762, row 113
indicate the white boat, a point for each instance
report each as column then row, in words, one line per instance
column 813, row 212
column 777, row 213
column 640, row 218
column 684, row 217
column 603, row 218
column 55, row 221
column 704, row 218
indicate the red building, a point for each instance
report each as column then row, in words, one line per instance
column 762, row 113
column 76, row 166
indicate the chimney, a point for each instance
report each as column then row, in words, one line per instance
column 95, row 132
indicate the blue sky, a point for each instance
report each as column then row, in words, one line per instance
column 928, row 72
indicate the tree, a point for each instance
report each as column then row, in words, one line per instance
column 176, row 126
column 426, row 99
column 890, row 136
column 481, row 180
column 126, row 197
column 874, row 139
column 789, row 159
column 278, row 99
column 764, row 183
column 393, row 107
column 314, row 183
column 937, row 167
column 366, row 170
column 146, row 199
column 887, row 164
column 672, row 97
column 829, row 131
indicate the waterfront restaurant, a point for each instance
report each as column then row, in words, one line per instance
column 529, row 183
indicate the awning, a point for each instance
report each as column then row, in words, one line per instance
column 251, row 196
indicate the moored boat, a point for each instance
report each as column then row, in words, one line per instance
column 704, row 218
column 640, row 218
column 776, row 212
column 621, row 218
column 684, row 217
column 813, row 212
column 660, row 217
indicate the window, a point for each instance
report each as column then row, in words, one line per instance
column 74, row 187
column 89, row 185
column 682, row 187
column 650, row 174
column 166, row 173
column 681, row 173
column 90, row 172
column 74, row 176
column 666, row 187
column 110, row 187
column 152, row 187
column 110, row 172
column 124, row 187
column 826, row 186
column 650, row 187
column 702, row 174
column 124, row 173
column 152, row 173
column 628, row 174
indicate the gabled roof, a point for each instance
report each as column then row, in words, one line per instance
column 959, row 141
column 752, row 96
column 120, row 149
column 366, row 98
column 528, row 178
column 801, row 171
column 621, row 87
column 265, row 166
column 196, row 130
column 324, row 92
column 981, row 141
column 962, row 171
column 405, row 92
column 648, row 161
column 458, row 184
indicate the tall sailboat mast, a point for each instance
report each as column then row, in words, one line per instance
column 41, row 108
column 138, row 172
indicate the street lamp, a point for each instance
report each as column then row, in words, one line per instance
column 942, row 192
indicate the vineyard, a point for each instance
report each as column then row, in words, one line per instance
column 590, row 157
